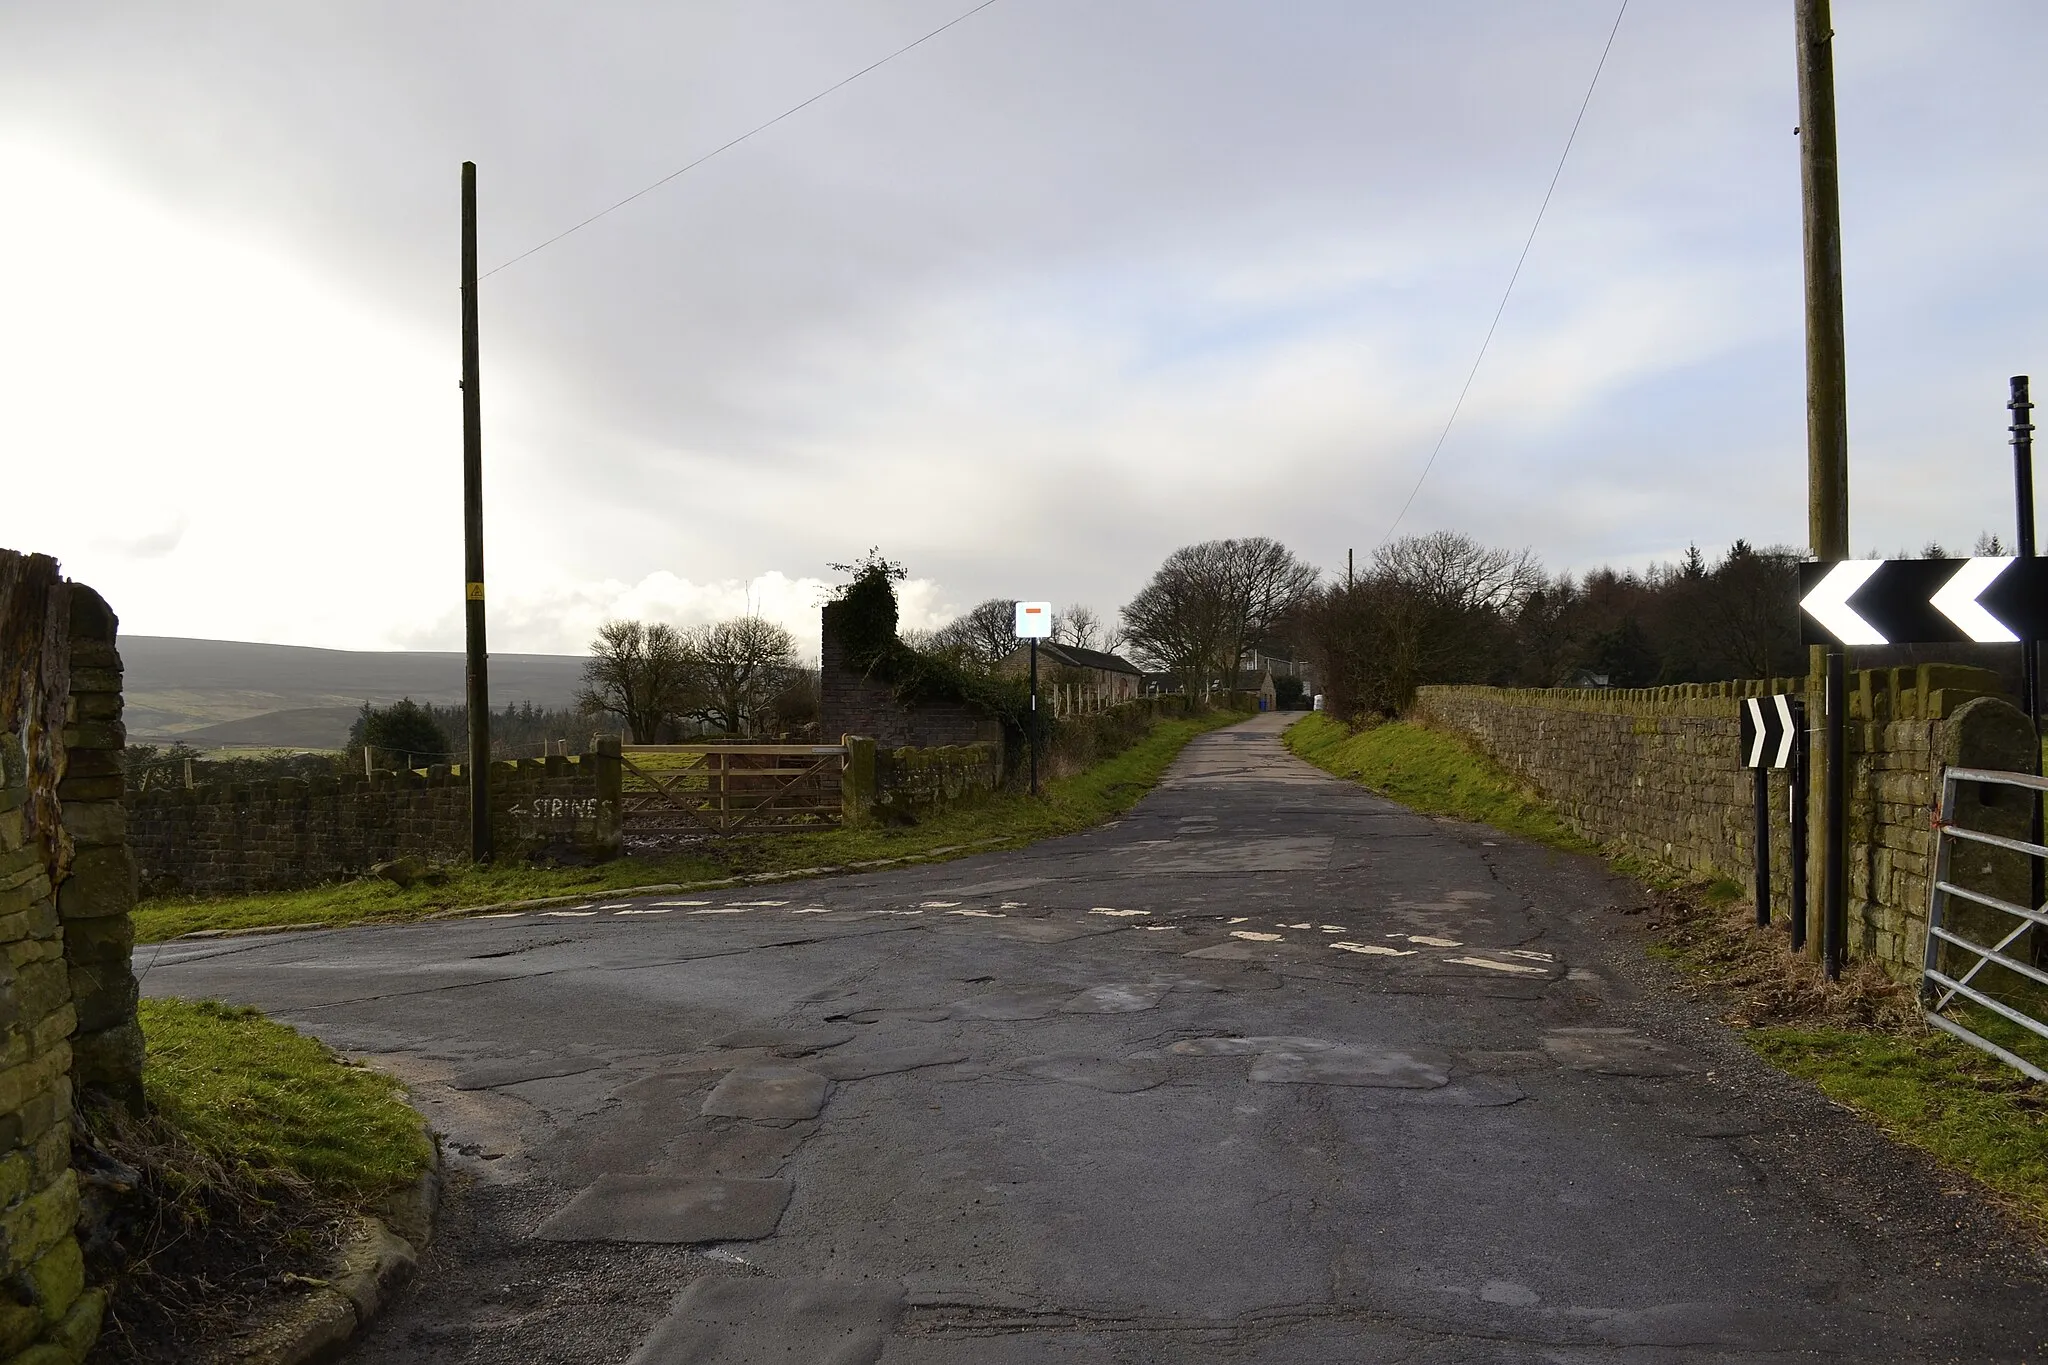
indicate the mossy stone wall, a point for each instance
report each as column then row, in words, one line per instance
column 266, row 836
column 1657, row 771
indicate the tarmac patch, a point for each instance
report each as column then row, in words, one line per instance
column 1115, row 1075
column 669, row 1209
column 767, row 1090
column 720, row 1320
column 1350, row 1065
column 1615, row 1052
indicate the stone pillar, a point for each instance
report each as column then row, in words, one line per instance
column 47, row 1315
column 95, row 899
column 857, row 782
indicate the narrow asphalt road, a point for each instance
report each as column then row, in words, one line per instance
column 1271, row 1070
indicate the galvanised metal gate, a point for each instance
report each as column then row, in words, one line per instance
column 1961, row 961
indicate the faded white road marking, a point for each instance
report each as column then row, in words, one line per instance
column 1257, row 937
column 979, row 914
column 1495, row 966
column 1239, row 920
column 681, row 902
column 568, row 914
column 502, row 914
column 1529, row 953
column 937, row 905
column 1297, row 926
column 649, row 911
column 1375, row 949
column 815, row 910
column 1430, row 941
column 725, row 910
column 1120, row 914
column 775, row 904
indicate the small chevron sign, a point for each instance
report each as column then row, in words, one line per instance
column 1923, row 601
column 1770, row 731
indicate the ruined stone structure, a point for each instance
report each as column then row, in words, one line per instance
column 1656, row 770
column 67, row 996
column 287, row 833
column 851, row 703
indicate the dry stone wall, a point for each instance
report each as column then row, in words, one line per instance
column 290, row 832
column 67, row 999
column 1657, row 771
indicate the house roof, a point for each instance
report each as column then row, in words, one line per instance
column 1075, row 657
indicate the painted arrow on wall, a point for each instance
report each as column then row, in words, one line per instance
column 1923, row 601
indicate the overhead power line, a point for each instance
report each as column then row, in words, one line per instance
column 1430, row 463
column 728, row 146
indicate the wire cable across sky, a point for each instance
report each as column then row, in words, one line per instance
column 728, row 146
column 1430, row 463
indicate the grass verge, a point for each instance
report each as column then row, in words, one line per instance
column 1861, row 1040
column 232, row 1195
column 1432, row 771
column 1066, row 805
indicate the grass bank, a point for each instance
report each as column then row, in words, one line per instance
column 232, row 1196
column 1434, row 772
column 1860, row 1040
column 1068, row 804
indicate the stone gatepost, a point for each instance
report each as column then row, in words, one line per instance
column 47, row 1315
column 97, row 895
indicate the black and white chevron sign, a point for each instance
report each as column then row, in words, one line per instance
column 1923, row 601
column 1770, row 731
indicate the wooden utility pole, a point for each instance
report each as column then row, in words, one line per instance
column 477, row 689
column 1827, row 433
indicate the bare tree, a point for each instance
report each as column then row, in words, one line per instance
column 1078, row 626
column 983, row 637
column 1211, row 602
column 637, row 672
column 1264, row 582
column 1182, row 620
column 1742, row 613
column 1433, row 608
column 737, row 669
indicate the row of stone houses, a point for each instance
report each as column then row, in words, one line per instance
column 1102, row 679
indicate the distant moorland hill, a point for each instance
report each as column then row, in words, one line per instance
column 225, row 692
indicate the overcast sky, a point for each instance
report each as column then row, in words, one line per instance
column 1071, row 284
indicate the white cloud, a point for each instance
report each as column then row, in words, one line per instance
column 1052, row 295
column 563, row 618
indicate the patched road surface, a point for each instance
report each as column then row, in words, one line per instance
column 1271, row 1070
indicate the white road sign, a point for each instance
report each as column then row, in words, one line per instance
column 1034, row 620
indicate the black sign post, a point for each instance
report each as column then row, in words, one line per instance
column 1800, row 784
column 1771, row 730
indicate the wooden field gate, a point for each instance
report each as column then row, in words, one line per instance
column 730, row 788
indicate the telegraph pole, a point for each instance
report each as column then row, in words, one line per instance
column 1827, row 433
column 477, row 681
